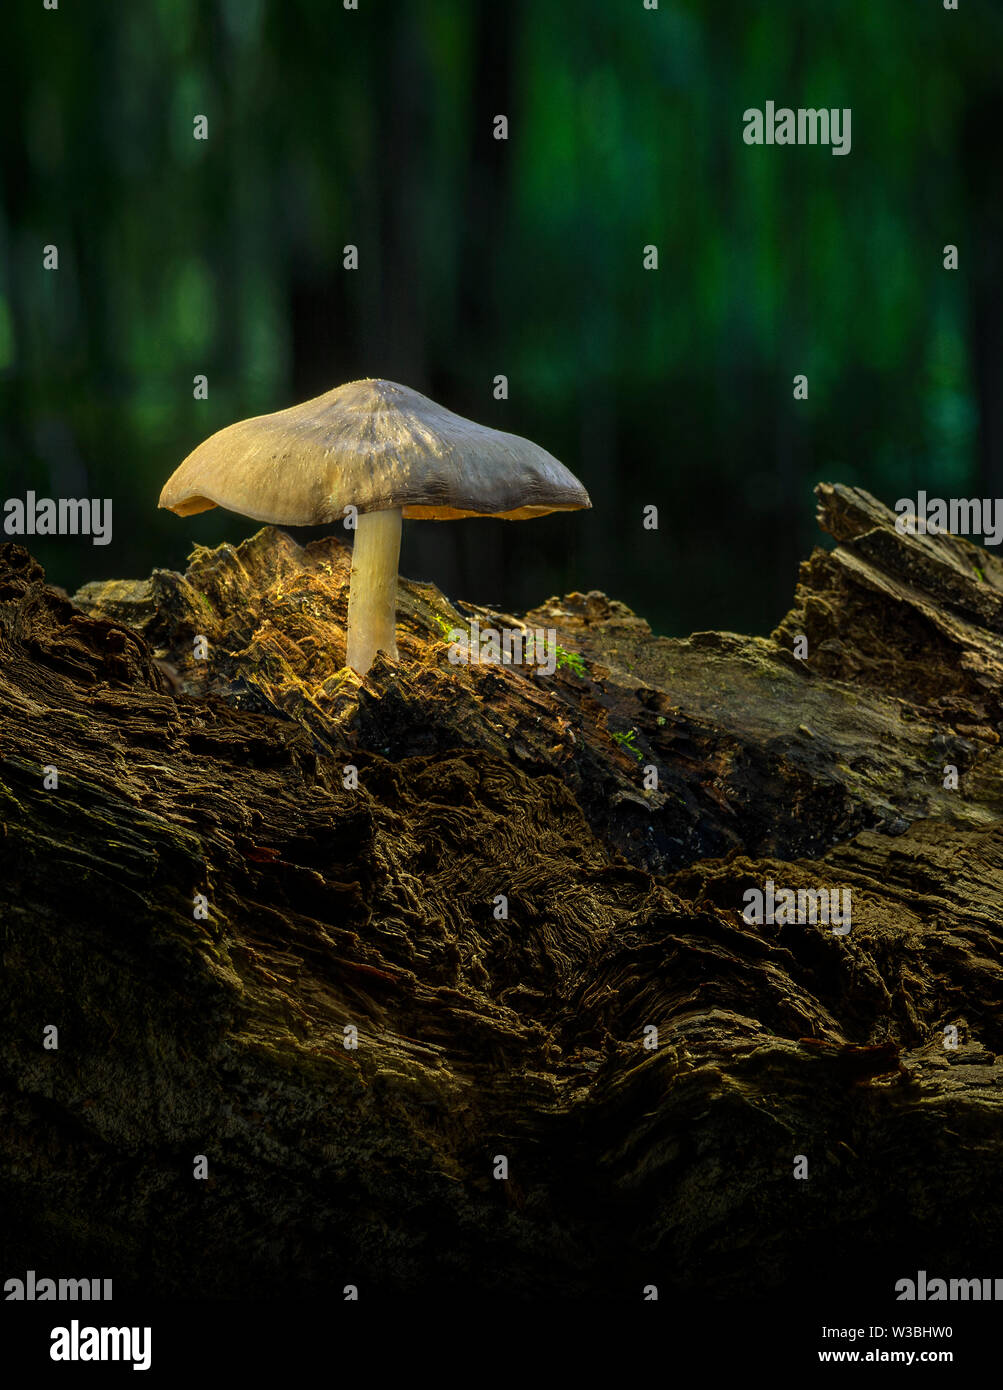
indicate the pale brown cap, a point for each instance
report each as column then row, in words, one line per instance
column 373, row 445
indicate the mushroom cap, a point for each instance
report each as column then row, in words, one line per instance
column 373, row 445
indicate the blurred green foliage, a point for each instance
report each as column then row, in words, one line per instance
column 521, row 257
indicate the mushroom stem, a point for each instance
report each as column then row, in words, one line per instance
column 372, row 595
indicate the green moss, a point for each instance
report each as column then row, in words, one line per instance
column 445, row 625
column 626, row 740
column 572, row 659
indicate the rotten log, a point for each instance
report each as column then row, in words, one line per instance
column 216, row 771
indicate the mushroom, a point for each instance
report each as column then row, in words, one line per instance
column 389, row 453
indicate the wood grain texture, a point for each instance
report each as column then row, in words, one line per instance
column 375, row 907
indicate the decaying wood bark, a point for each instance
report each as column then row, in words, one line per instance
column 220, row 771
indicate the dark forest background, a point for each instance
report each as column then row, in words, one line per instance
column 523, row 257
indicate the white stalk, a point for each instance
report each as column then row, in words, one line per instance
column 372, row 595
